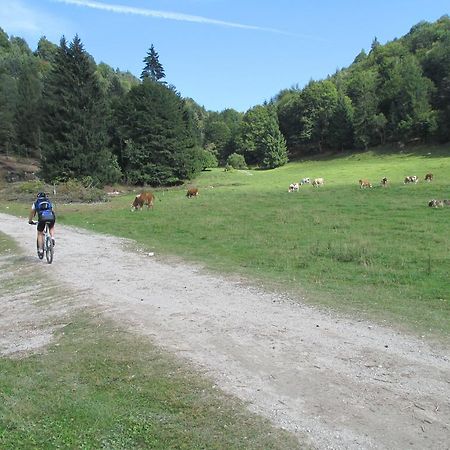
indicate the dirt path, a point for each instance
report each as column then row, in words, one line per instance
column 335, row 382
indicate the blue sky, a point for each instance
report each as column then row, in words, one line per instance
column 222, row 53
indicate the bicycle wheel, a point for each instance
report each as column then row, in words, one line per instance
column 49, row 249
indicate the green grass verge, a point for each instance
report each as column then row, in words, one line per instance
column 98, row 386
column 381, row 252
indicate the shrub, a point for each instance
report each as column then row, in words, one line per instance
column 32, row 187
column 77, row 191
column 209, row 160
column 236, row 161
column 67, row 192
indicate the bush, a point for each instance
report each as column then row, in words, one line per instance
column 236, row 161
column 78, row 191
column 209, row 160
column 32, row 187
column 67, row 192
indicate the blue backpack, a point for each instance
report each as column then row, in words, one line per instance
column 44, row 209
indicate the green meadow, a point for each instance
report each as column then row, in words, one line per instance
column 380, row 253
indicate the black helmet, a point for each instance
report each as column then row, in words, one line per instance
column 41, row 195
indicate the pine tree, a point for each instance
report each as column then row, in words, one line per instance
column 73, row 121
column 8, row 102
column 29, row 95
column 157, row 143
column 153, row 69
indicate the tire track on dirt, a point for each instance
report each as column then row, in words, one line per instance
column 333, row 381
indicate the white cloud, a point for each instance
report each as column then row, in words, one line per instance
column 17, row 18
column 121, row 9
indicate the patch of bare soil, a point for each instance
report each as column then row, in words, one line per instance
column 17, row 169
column 334, row 381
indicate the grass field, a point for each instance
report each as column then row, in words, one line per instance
column 99, row 386
column 380, row 252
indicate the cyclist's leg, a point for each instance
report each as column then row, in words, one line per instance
column 40, row 235
column 51, row 227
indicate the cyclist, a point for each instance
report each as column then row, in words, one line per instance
column 44, row 209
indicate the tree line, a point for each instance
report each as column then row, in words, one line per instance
column 397, row 93
column 87, row 120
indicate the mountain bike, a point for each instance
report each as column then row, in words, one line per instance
column 48, row 244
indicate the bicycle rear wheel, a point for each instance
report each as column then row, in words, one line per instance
column 49, row 249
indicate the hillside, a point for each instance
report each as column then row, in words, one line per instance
column 142, row 132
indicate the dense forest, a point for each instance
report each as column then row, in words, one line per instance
column 89, row 121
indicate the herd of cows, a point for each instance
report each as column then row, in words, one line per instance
column 147, row 198
column 364, row 183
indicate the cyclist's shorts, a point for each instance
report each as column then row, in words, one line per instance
column 41, row 224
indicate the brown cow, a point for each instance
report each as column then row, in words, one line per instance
column 144, row 198
column 364, row 184
column 192, row 192
column 318, row 182
column 429, row 177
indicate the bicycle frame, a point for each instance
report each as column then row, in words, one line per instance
column 48, row 243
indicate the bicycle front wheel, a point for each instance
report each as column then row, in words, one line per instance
column 49, row 249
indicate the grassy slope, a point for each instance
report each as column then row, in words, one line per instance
column 379, row 252
column 101, row 387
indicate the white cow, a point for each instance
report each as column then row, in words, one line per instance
column 293, row 187
column 411, row 179
column 305, row 181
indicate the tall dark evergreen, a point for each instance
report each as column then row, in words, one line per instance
column 29, row 91
column 20, row 94
column 157, row 143
column 153, row 69
column 74, row 140
column 8, row 101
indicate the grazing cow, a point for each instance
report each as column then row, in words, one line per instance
column 429, row 177
column 317, row 182
column 305, row 181
column 144, row 198
column 293, row 187
column 384, row 182
column 192, row 192
column 438, row 203
column 411, row 179
column 364, row 184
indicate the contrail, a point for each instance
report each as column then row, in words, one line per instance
column 121, row 9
